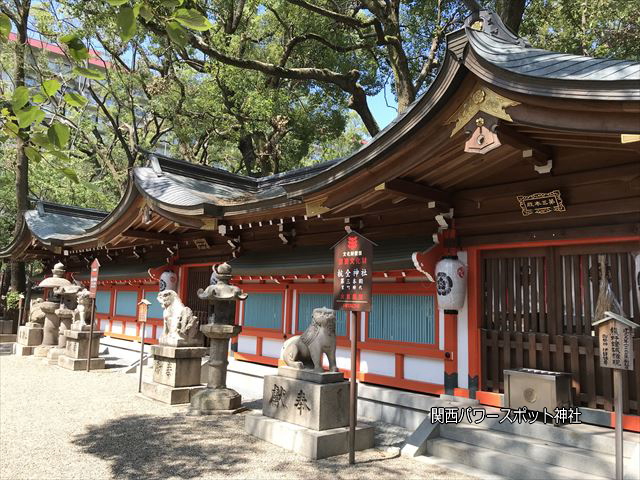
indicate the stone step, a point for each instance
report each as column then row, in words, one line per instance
column 501, row 463
column 584, row 436
column 541, row 451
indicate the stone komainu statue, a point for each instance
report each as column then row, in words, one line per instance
column 180, row 324
column 305, row 351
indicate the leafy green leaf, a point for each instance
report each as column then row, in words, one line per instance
column 5, row 27
column 50, row 87
column 90, row 73
column 76, row 47
column 145, row 11
column 38, row 98
column 11, row 128
column 177, row 34
column 58, row 134
column 192, row 19
column 126, row 22
column 70, row 173
column 75, row 100
column 29, row 115
column 32, row 154
column 117, row 3
column 19, row 98
column 171, row 3
column 40, row 139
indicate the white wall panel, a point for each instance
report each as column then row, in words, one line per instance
column 104, row 325
column 271, row 347
column 430, row 370
column 247, row 344
column 117, row 327
column 378, row 362
column 343, row 358
column 130, row 329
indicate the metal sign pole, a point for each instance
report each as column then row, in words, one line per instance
column 353, row 393
column 93, row 319
column 143, row 310
column 617, row 400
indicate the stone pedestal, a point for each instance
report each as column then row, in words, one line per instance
column 65, row 317
column 308, row 413
column 50, row 329
column 176, row 374
column 29, row 337
column 217, row 398
column 77, row 351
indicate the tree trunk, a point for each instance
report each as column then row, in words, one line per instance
column 22, row 162
column 511, row 12
column 405, row 89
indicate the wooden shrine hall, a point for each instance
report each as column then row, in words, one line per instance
column 524, row 163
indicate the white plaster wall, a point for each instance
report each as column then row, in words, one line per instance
column 294, row 316
column 378, row 362
column 130, row 329
column 247, row 344
column 104, row 325
column 463, row 336
column 440, row 329
column 148, row 331
column 117, row 327
column 158, row 333
column 343, row 358
column 271, row 347
column 430, row 370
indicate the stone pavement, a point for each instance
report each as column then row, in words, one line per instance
column 59, row 424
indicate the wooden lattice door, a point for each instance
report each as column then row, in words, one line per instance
column 537, row 310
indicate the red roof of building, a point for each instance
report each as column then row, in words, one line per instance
column 94, row 56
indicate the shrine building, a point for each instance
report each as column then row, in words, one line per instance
column 523, row 163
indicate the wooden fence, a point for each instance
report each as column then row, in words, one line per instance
column 538, row 306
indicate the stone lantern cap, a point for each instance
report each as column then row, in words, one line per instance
column 57, row 280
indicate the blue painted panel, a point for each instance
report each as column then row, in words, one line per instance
column 127, row 303
column 308, row 301
column 263, row 310
column 403, row 318
column 154, row 310
column 103, row 302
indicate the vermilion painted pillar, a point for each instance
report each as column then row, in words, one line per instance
column 451, row 351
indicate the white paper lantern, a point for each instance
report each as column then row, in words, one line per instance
column 451, row 283
column 637, row 275
column 168, row 281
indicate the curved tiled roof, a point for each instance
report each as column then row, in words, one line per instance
column 61, row 222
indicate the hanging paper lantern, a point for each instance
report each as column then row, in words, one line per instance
column 168, row 281
column 637, row 275
column 451, row 283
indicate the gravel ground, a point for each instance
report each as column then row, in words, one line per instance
column 59, row 424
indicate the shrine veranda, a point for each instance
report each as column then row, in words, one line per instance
column 551, row 184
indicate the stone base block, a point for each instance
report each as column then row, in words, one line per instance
column 43, row 350
column 170, row 395
column 310, row 375
column 80, row 363
column 78, row 343
column 6, row 326
column 310, row 443
column 22, row 350
column 30, row 336
column 312, row 405
column 7, row 337
column 213, row 400
column 177, row 366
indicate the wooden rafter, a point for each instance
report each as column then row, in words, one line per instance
column 416, row 191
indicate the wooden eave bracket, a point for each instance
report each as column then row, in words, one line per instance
column 316, row 207
column 416, row 191
column 533, row 151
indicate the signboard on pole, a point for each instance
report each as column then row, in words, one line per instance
column 352, row 273
column 93, row 283
column 615, row 335
column 143, row 309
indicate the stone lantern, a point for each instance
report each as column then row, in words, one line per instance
column 65, row 312
column 222, row 297
column 51, row 325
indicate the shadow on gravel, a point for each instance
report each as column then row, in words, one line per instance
column 140, row 446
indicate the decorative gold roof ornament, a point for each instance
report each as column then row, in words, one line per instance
column 316, row 207
column 629, row 137
column 482, row 99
